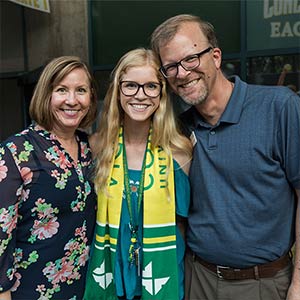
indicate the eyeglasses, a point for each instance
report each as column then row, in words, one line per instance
column 188, row 63
column 131, row 88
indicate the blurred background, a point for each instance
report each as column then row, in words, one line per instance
column 260, row 41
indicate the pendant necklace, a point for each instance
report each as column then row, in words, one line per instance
column 134, row 248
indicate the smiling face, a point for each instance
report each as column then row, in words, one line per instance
column 193, row 86
column 140, row 107
column 70, row 101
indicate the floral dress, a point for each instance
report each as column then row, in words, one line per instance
column 47, row 216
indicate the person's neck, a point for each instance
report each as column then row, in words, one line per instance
column 66, row 136
column 215, row 104
column 135, row 139
column 136, row 134
column 68, row 142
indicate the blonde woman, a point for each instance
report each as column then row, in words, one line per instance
column 142, row 185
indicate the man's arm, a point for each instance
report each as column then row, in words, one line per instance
column 294, row 290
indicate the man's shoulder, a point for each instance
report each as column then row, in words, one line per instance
column 271, row 90
column 276, row 96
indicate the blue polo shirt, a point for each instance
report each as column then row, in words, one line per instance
column 243, row 175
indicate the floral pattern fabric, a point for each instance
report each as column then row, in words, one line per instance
column 47, row 216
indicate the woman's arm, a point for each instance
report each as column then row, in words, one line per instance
column 10, row 191
column 182, row 191
column 5, row 296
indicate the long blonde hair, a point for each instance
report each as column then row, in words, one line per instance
column 164, row 133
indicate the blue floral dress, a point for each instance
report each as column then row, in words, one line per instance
column 47, row 216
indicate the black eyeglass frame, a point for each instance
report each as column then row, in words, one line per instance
column 140, row 86
column 162, row 69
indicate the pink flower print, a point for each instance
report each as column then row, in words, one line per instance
column 40, row 288
column 50, row 269
column 76, row 275
column 84, row 257
column 47, row 212
column 11, row 225
column 3, row 170
column 9, row 219
column 84, row 149
column 57, row 156
column 39, row 201
column 80, row 231
column 54, row 173
column 25, row 194
column 44, row 230
column 17, row 283
column 72, row 246
column 62, row 160
column 60, row 273
column 26, row 175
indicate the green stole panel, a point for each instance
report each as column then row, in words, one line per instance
column 159, row 258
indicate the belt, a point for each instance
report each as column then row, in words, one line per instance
column 266, row 270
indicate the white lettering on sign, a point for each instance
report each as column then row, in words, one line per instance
column 280, row 8
column 285, row 30
column 277, row 8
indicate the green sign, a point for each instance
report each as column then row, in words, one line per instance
column 118, row 26
column 273, row 24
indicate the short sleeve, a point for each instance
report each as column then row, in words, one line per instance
column 288, row 142
column 182, row 191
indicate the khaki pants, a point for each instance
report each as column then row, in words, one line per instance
column 203, row 284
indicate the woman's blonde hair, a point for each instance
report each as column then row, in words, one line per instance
column 54, row 72
column 164, row 133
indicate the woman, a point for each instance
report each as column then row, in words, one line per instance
column 138, row 251
column 47, row 210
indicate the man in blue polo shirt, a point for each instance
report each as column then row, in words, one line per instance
column 245, row 175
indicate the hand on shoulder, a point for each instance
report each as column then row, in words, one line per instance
column 93, row 142
column 183, row 160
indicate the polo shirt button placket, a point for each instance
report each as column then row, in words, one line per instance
column 212, row 140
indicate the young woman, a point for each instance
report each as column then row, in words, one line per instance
column 47, row 206
column 142, row 185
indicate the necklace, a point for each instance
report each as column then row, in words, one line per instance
column 134, row 247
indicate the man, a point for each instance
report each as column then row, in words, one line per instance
column 245, row 175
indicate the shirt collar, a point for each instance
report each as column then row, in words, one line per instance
column 233, row 110
column 234, row 107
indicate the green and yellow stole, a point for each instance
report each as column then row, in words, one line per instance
column 159, row 259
